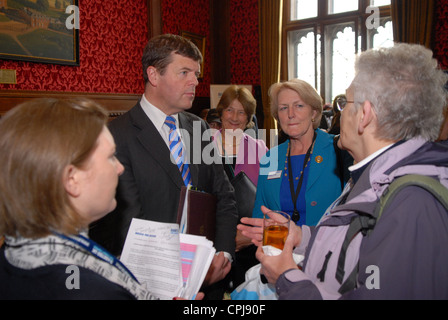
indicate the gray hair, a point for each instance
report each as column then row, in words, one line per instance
column 405, row 87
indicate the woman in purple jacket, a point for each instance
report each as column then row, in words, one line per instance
column 393, row 114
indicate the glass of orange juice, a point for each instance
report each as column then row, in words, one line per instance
column 275, row 229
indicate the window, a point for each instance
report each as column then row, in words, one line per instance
column 305, row 52
column 303, row 9
column 322, row 38
column 339, row 6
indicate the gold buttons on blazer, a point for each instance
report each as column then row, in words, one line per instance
column 319, row 159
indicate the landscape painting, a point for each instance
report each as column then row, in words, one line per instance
column 40, row 31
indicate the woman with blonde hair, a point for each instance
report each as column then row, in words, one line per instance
column 306, row 179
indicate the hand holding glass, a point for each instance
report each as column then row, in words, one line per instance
column 275, row 229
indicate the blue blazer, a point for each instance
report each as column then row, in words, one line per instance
column 323, row 187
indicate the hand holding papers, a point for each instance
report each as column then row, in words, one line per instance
column 169, row 264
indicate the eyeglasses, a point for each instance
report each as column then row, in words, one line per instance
column 341, row 103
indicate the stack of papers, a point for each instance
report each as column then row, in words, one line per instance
column 196, row 256
column 168, row 263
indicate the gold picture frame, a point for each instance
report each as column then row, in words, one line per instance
column 199, row 41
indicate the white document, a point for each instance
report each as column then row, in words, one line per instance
column 168, row 264
column 152, row 253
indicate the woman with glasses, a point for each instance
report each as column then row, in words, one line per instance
column 392, row 117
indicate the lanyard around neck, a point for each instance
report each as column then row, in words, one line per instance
column 97, row 251
column 295, row 193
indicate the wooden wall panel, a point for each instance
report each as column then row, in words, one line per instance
column 116, row 104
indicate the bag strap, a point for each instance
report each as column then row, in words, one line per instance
column 359, row 223
column 430, row 184
column 366, row 224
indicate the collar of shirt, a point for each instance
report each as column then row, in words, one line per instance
column 158, row 118
column 357, row 169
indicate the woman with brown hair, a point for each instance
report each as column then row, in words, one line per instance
column 58, row 174
column 240, row 151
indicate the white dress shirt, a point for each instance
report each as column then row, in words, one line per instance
column 158, row 118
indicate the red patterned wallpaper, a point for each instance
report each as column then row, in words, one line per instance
column 441, row 34
column 192, row 16
column 244, row 42
column 112, row 37
column 113, row 34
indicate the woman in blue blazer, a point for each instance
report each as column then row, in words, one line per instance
column 308, row 158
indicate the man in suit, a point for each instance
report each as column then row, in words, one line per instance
column 151, row 183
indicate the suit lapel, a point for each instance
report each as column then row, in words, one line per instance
column 320, row 151
column 151, row 140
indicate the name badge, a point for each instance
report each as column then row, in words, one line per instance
column 274, row 175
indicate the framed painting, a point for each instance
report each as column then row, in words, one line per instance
column 199, row 41
column 44, row 31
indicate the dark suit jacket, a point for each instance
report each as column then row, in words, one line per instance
column 150, row 186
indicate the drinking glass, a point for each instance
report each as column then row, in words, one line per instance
column 275, row 229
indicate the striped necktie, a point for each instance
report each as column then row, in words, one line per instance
column 177, row 151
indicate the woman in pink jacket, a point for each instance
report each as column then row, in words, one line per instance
column 240, row 152
column 236, row 144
